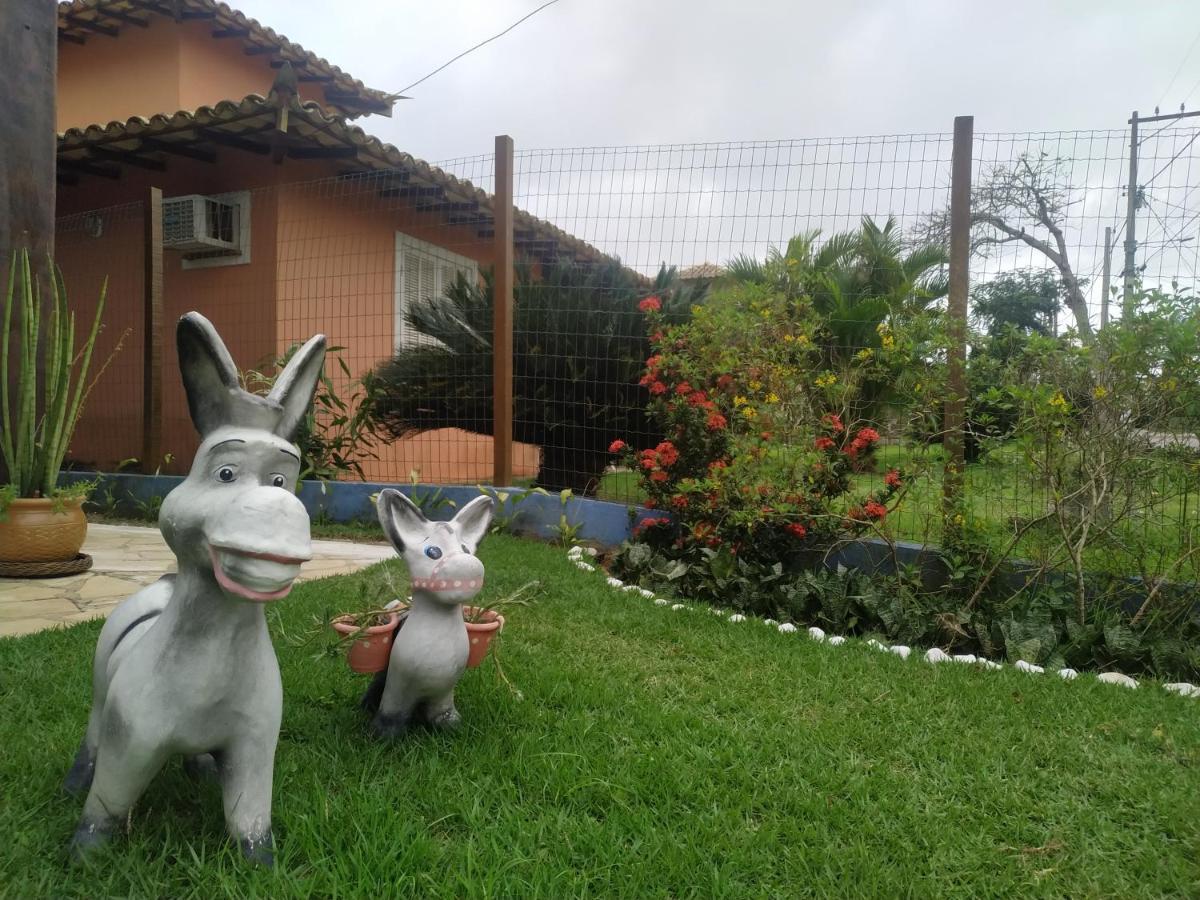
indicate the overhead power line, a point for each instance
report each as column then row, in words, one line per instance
column 1182, row 63
column 477, row 46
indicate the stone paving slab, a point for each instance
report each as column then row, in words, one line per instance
column 125, row 558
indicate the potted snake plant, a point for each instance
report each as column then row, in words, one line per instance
column 40, row 522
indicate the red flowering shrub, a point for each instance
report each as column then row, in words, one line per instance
column 742, row 467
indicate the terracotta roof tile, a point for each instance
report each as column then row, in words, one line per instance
column 79, row 19
column 309, row 122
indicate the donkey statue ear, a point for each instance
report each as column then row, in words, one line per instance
column 296, row 384
column 209, row 375
column 474, row 519
column 402, row 520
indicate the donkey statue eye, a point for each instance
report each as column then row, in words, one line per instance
column 278, row 481
column 466, row 549
column 226, row 474
column 433, row 552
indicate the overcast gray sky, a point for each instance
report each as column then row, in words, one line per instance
column 604, row 72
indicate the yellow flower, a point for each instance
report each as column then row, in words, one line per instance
column 1099, row 392
column 789, row 339
column 917, row 388
column 958, row 519
column 802, row 340
column 749, row 412
column 865, row 354
column 1059, row 402
column 755, row 385
column 828, row 379
column 889, row 342
column 739, row 400
column 772, row 397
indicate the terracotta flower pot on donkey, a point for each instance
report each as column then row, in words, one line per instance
column 482, row 626
column 372, row 644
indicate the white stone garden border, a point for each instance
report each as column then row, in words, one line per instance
column 933, row 656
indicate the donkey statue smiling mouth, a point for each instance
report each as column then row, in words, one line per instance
column 430, row 652
column 186, row 665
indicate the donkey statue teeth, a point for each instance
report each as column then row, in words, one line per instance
column 186, row 665
column 430, row 652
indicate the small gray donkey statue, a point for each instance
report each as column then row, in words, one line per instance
column 430, row 652
column 186, row 665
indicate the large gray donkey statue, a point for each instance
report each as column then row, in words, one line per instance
column 186, row 665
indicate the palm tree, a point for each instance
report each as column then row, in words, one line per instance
column 579, row 350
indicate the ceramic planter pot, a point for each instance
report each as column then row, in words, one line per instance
column 34, row 531
column 480, row 634
column 370, row 650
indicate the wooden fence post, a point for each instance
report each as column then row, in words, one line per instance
column 502, row 331
column 956, row 352
column 152, row 330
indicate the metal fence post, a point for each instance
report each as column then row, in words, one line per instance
column 152, row 327
column 502, row 331
column 956, row 352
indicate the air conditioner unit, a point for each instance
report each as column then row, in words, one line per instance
column 195, row 223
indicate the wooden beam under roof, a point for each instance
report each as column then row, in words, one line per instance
column 230, row 32
column 72, row 38
column 236, row 141
column 89, row 168
column 129, row 157
column 342, row 152
column 449, row 206
column 126, row 18
column 188, row 151
column 260, row 49
column 414, row 190
column 92, row 25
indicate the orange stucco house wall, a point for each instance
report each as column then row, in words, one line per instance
column 321, row 259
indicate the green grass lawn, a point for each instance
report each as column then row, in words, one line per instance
column 652, row 754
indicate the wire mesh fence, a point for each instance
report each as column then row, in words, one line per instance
column 396, row 269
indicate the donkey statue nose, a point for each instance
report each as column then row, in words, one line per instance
column 257, row 543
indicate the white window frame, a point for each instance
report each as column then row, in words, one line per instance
column 240, row 199
column 440, row 256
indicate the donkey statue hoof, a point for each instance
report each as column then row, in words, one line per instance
column 88, row 841
column 260, row 851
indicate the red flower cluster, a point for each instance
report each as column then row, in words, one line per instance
column 616, row 446
column 650, row 304
column 874, row 509
column 716, row 422
column 892, row 480
column 796, row 529
column 833, row 421
column 864, row 440
column 824, row 443
column 651, row 523
column 679, row 501
column 667, row 454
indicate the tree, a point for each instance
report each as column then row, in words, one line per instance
column 1025, row 202
column 855, row 280
column 579, row 349
column 1026, row 299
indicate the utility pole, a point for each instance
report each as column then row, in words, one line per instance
column 1130, row 270
column 1105, row 284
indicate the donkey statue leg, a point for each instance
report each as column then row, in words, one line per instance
column 246, row 776
column 128, row 758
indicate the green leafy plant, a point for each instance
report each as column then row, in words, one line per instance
column 34, row 443
column 578, row 345
column 507, row 501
